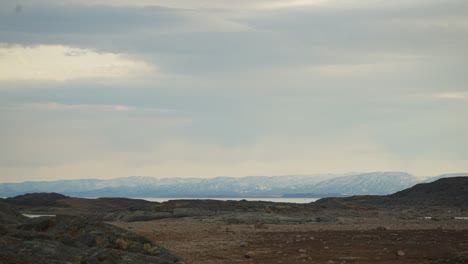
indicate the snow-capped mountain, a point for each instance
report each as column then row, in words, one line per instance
column 322, row 185
column 166, row 187
column 367, row 183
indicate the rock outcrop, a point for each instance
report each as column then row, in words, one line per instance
column 72, row 239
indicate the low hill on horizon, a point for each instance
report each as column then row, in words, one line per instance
column 444, row 191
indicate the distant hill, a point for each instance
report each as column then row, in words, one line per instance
column 323, row 185
column 441, row 197
column 367, row 183
column 448, row 175
column 36, row 199
column 444, row 192
column 168, row 187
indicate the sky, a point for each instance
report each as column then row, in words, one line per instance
column 185, row 88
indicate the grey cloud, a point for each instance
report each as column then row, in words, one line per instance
column 85, row 20
column 294, row 73
column 287, row 37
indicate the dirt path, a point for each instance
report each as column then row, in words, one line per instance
column 207, row 242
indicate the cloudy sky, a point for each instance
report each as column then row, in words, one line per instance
column 185, row 88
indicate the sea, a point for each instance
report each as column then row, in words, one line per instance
column 37, row 215
column 264, row 199
column 268, row 199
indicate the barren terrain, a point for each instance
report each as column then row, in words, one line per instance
column 423, row 224
column 204, row 241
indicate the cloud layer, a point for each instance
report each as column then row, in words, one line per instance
column 100, row 88
column 62, row 63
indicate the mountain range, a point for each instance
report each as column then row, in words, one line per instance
column 322, row 185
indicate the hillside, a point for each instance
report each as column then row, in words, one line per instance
column 451, row 191
column 445, row 192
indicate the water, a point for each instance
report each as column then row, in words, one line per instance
column 276, row 200
column 37, row 215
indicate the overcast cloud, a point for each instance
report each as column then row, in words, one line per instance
column 102, row 89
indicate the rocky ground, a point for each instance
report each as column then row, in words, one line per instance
column 72, row 239
column 204, row 241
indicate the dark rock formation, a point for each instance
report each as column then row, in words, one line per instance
column 8, row 215
column 72, row 239
column 37, row 199
column 445, row 192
